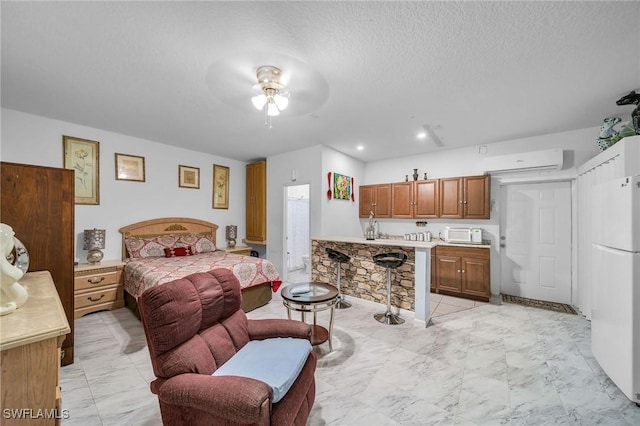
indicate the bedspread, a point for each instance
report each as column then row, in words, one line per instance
column 140, row 274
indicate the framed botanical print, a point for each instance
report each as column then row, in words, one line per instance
column 220, row 187
column 188, row 177
column 83, row 156
column 129, row 167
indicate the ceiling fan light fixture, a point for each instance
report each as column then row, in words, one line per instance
column 272, row 109
column 282, row 102
column 259, row 101
column 271, row 100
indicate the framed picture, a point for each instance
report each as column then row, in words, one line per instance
column 129, row 167
column 220, row 187
column 341, row 187
column 83, row 156
column 188, row 177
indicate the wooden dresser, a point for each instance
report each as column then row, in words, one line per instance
column 30, row 341
column 98, row 287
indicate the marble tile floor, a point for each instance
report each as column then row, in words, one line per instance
column 482, row 365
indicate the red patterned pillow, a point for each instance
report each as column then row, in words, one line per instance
column 178, row 251
column 200, row 243
column 140, row 247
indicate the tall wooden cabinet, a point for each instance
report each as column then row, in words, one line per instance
column 376, row 199
column 38, row 203
column 256, row 203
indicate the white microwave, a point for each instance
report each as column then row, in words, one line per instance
column 463, row 235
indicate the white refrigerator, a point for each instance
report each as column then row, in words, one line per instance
column 615, row 314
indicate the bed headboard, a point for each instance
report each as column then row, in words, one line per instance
column 167, row 225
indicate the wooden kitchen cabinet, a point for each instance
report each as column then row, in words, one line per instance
column 376, row 199
column 465, row 197
column 402, row 200
column 417, row 199
column 427, row 202
column 463, row 272
column 256, row 203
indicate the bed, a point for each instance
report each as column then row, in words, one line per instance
column 143, row 245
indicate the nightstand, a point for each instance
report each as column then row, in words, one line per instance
column 243, row 250
column 98, row 287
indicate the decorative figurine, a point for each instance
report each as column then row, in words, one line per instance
column 632, row 98
column 607, row 132
column 12, row 294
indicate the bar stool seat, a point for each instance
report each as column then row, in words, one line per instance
column 390, row 261
column 339, row 258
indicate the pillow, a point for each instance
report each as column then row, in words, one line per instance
column 201, row 243
column 276, row 362
column 140, row 247
column 178, row 251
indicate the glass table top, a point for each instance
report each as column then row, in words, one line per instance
column 309, row 292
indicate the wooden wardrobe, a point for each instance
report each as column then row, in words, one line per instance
column 38, row 203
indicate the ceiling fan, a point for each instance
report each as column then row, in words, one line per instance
column 432, row 136
column 238, row 79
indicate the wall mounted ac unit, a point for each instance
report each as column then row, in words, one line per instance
column 549, row 159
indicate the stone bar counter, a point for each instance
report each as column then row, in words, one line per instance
column 362, row 278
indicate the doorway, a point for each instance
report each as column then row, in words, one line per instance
column 535, row 241
column 297, row 242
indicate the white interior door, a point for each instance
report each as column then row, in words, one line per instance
column 535, row 241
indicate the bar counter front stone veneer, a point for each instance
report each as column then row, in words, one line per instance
column 361, row 277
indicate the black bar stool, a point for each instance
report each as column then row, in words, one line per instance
column 389, row 261
column 339, row 258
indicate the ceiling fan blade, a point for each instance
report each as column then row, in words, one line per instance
column 433, row 137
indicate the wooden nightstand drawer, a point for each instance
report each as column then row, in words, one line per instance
column 241, row 250
column 98, row 287
column 96, row 280
column 93, row 298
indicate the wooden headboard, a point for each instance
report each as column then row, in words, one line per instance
column 167, row 225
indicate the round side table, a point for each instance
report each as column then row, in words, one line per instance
column 319, row 297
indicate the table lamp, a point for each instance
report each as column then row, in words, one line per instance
column 94, row 241
column 231, row 233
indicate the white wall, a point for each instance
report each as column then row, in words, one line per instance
column 37, row 140
column 328, row 217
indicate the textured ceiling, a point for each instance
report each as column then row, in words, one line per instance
column 368, row 73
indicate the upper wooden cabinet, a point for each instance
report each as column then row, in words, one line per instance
column 376, row 199
column 418, row 199
column 465, row 197
column 256, row 203
column 458, row 197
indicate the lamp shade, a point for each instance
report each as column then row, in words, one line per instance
column 94, row 239
column 231, row 232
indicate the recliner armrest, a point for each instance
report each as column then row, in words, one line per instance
column 260, row 329
column 239, row 399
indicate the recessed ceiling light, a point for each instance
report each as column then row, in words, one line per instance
column 359, row 147
column 422, row 135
